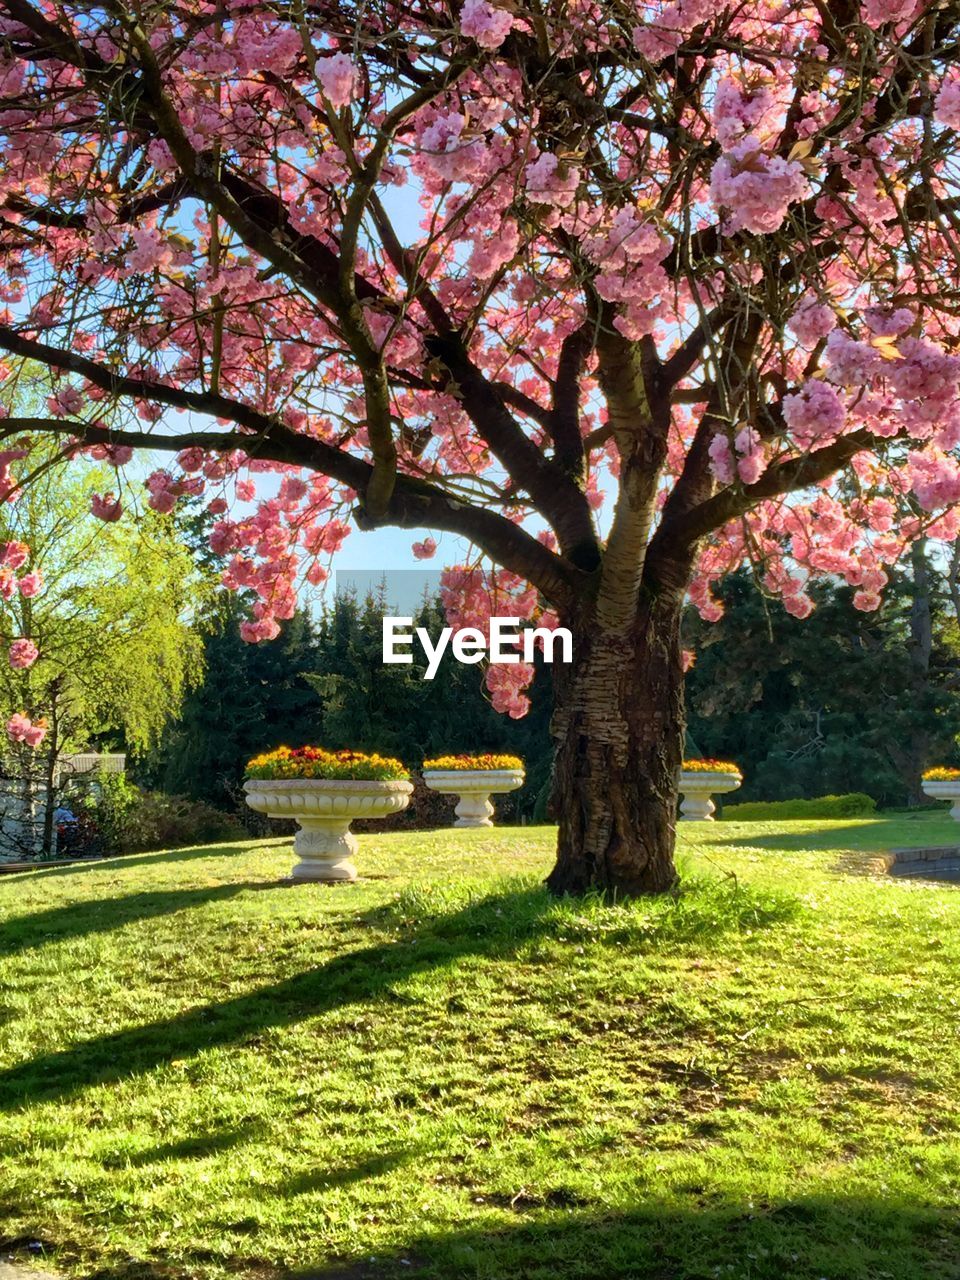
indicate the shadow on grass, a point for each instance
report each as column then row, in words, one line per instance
column 870, row 835
column 430, row 928
column 815, row 1238
column 680, row 1237
column 121, row 861
column 102, row 915
column 375, row 1166
column 197, row 1147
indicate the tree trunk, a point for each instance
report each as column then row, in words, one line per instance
column 619, row 726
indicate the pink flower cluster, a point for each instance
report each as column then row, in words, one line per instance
column 812, row 321
column 550, row 180
column 444, row 151
column 755, row 188
column 880, row 13
column 739, row 110
column 338, row 76
column 485, row 23
column 13, row 556
column 663, row 33
column 8, row 485
column 21, row 728
column 106, row 507
column 23, row 653
column 947, row 106
column 471, row 596
column 630, row 256
column 814, row 413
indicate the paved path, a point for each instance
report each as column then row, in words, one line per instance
column 21, row 1271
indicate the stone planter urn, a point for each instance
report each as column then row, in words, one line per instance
column 474, row 787
column 323, row 810
column 948, row 789
column 697, row 787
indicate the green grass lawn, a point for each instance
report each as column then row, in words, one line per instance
column 440, row 1072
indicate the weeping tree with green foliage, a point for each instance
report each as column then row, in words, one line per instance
column 97, row 628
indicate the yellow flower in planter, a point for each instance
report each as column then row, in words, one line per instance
column 332, row 766
column 941, row 773
column 473, row 762
column 711, row 766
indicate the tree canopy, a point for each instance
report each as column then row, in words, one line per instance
column 98, row 622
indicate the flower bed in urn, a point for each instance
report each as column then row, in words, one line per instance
column 323, row 791
column 474, row 778
column 943, row 783
column 701, row 779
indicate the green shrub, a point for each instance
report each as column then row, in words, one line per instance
column 159, row 821
column 853, row 805
column 130, row 820
column 113, row 800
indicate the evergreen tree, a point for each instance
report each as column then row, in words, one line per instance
column 841, row 701
column 253, row 697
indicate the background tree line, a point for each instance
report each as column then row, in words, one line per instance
column 841, row 701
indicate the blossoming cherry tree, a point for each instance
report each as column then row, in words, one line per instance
column 469, row 269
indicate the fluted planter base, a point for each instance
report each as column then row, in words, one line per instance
column 323, row 811
column 474, row 787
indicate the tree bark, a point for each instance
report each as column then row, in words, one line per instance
column 619, row 726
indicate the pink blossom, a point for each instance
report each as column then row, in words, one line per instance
column 23, row 653
column 327, row 539
column 850, row 363
column 338, row 77
column 14, row 555
column 812, row 321
column 163, row 496
column 21, row 728
column 888, row 322
column 223, row 538
column 738, row 110
column 107, row 507
column 551, row 181
column 756, row 188
column 263, row 629
column 934, row 477
column 191, row 460
column 118, row 455
column 494, row 250
column 445, row 153
column 151, row 250
column 506, row 683
column 721, row 459
column 815, row 411
column 866, row 601
column 425, row 550
column 947, row 106
column 66, row 403
column 878, row 13
column 798, row 604
column 30, row 584
column 485, row 23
